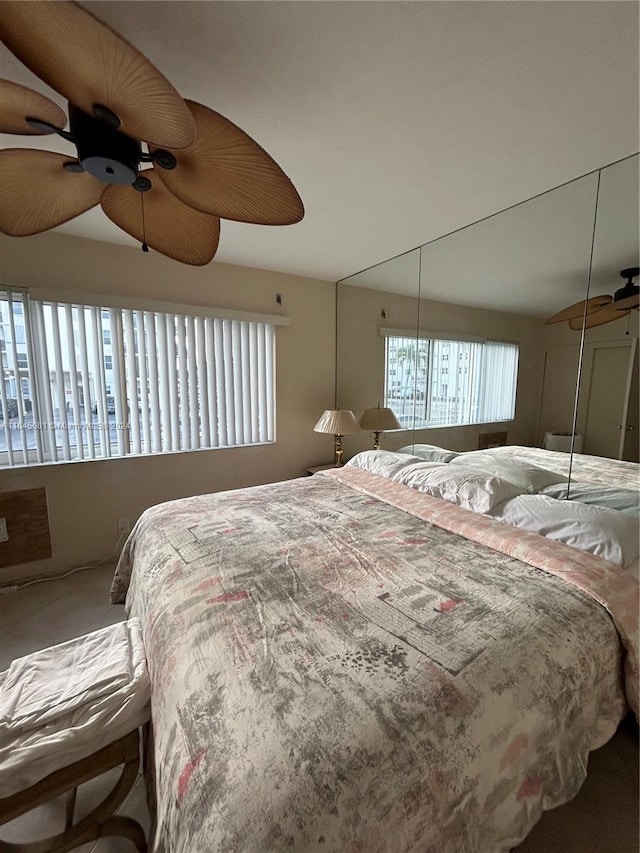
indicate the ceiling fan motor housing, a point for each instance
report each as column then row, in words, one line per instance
column 630, row 289
column 103, row 151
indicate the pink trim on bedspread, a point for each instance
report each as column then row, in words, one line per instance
column 608, row 584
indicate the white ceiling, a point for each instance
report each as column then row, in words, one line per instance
column 397, row 121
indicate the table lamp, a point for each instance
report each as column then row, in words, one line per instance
column 377, row 420
column 337, row 422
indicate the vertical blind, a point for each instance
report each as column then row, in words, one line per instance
column 431, row 382
column 85, row 382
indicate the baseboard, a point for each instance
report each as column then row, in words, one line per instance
column 11, row 584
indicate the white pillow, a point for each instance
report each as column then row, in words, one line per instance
column 530, row 478
column 465, row 487
column 430, row 452
column 606, row 533
column 382, row 462
column 610, row 497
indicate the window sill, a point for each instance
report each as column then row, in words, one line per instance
column 50, row 463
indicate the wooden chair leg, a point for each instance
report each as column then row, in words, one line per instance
column 126, row 827
column 101, row 821
column 71, row 807
column 149, row 771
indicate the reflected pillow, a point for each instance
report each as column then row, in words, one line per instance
column 465, row 487
column 610, row 497
column 382, row 462
column 530, row 478
column 430, row 452
column 606, row 533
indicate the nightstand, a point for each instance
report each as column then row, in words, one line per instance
column 321, row 468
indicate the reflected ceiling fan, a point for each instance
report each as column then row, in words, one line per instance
column 602, row 309
column 123, row 115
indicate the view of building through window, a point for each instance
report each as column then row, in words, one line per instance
column 13, row 357
column 83, row 382
column 21, row 427
column 450, row 383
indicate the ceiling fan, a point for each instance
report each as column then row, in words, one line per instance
column 602, row 309
column 124, row 115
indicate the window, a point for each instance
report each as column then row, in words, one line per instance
column 449, row 383
column 171, row 382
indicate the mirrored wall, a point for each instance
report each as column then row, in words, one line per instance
column 607, row 415
column 452, row 335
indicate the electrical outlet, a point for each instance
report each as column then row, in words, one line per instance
column 4, row 534
column 124, row 526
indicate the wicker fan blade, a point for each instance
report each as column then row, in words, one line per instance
column 170, row 226
column 576, row 311
column 17, row 103
column 37, row 193
column 628, row 303
column 90, row 64
column 599, row 318
column 226, row 173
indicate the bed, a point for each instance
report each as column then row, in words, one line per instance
column 341, row 663
column 596, row 470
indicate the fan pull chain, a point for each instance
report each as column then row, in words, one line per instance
column 144, row 246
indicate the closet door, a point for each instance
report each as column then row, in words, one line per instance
column 607, row 402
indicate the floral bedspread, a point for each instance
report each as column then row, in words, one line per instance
column 332, row 671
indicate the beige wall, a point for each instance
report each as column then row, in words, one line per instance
column 86, row 498
column 360, row 358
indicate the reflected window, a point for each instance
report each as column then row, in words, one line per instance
column 420, row 389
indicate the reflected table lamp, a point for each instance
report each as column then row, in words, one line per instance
column 337, row 422
column 377, row 420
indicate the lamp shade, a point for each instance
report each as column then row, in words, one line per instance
column 337, row 422
column 379, row 419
